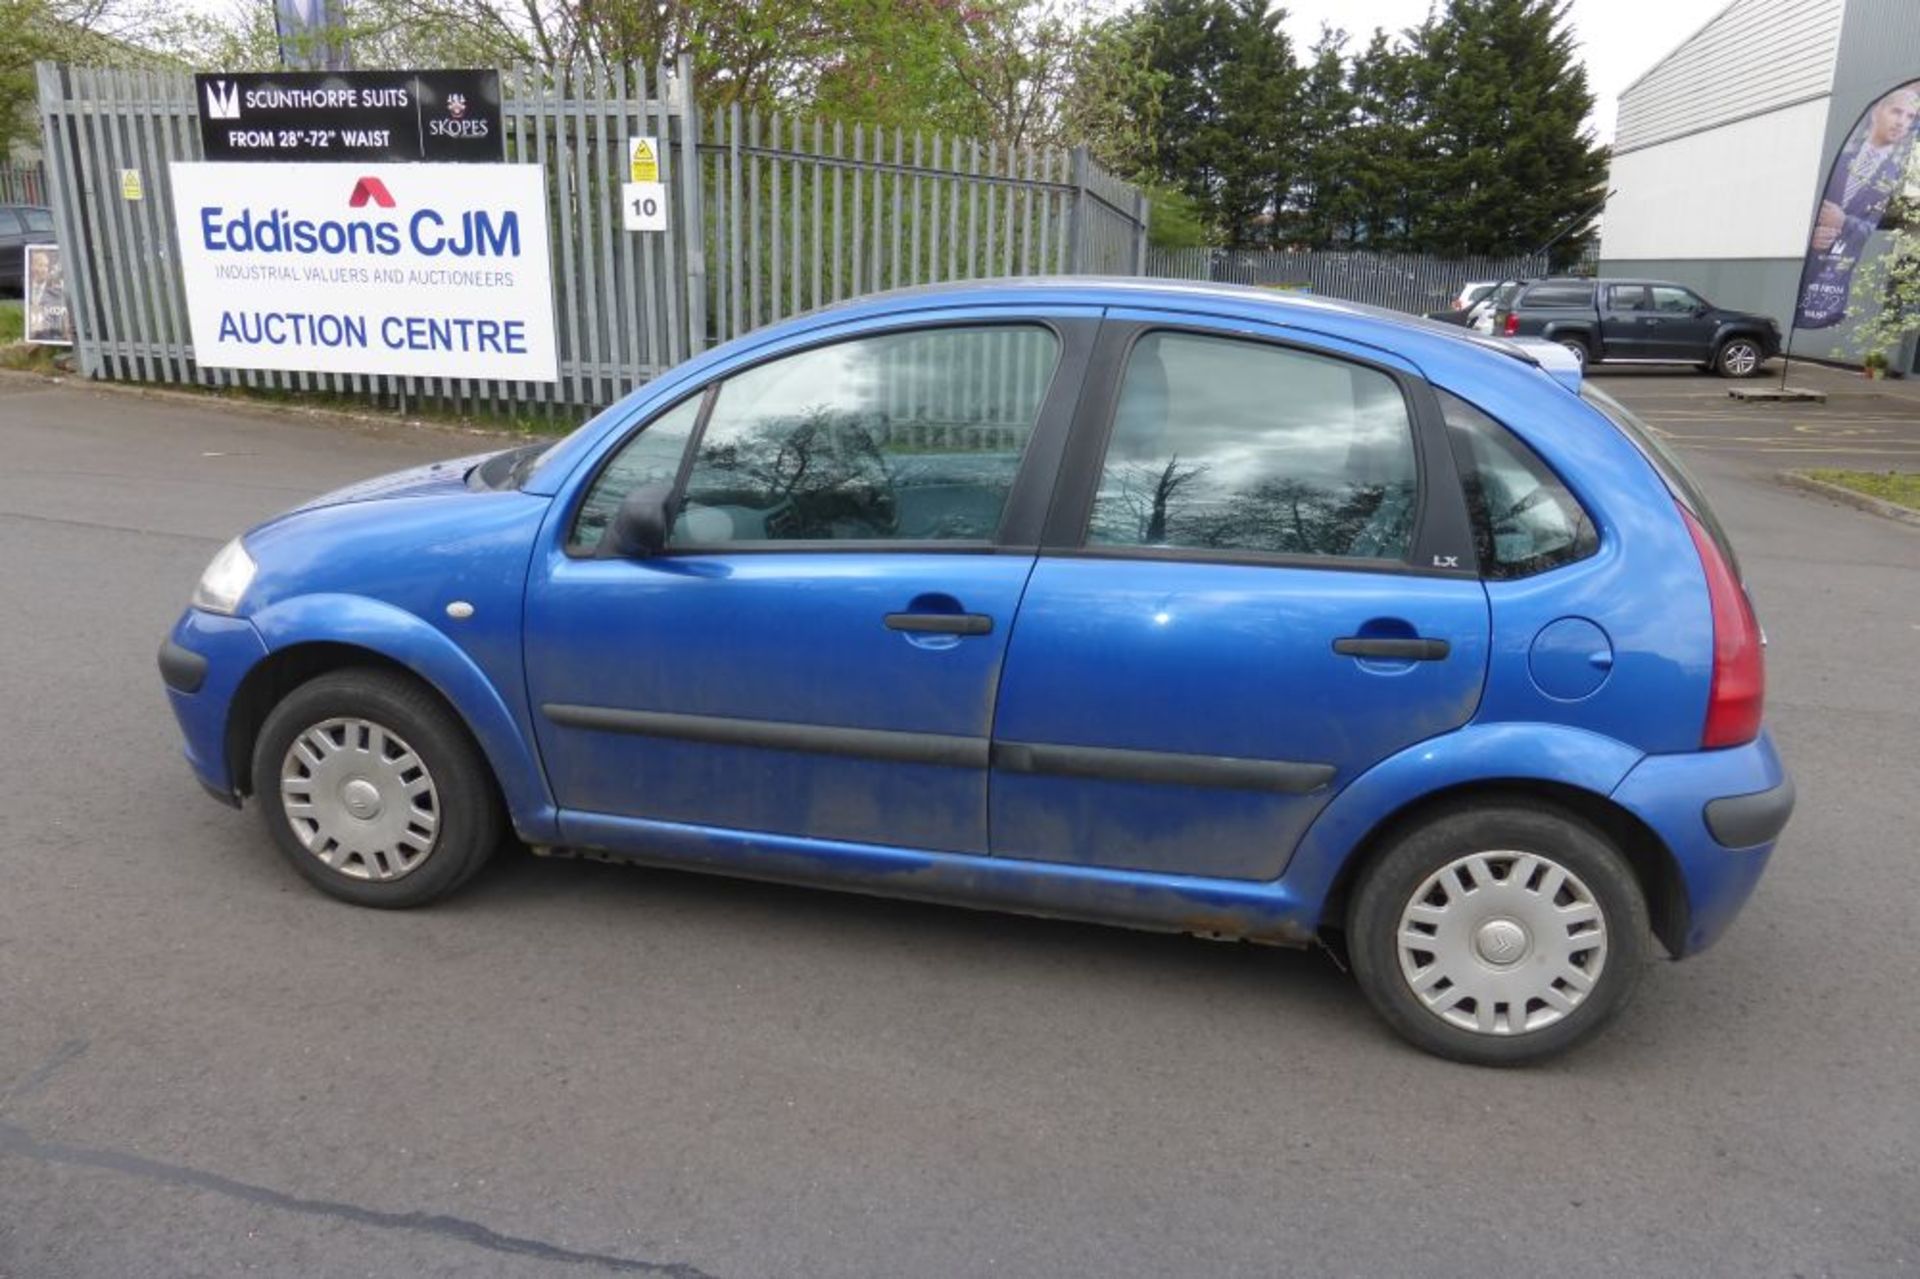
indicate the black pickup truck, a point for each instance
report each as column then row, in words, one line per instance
column 1639, row 320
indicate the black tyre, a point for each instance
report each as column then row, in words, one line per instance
column 1498, row 935
column 1739, row 357
column 1580, row 350
column 374, row 790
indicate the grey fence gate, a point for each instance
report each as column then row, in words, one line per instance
column 22, row 184
column 768, row 215
column 1402, row 281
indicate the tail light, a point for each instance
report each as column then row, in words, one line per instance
column 1739, row 687
column 1512, row 327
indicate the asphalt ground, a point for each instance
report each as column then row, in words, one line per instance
column 208, row 1069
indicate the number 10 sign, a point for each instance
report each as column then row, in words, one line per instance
column 644, row 205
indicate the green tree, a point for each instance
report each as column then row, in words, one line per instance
column 1502, row 97
column 1323, row 206
column 1381, row 154
column 1228, row 132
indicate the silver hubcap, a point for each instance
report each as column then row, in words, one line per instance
column 359, row 799
column 1741, row 359
column 1579, row 352
column 1502, row 943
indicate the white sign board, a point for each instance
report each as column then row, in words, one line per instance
column 423, row 270
column 643, row 205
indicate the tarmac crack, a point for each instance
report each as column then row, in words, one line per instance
column 17, row 1141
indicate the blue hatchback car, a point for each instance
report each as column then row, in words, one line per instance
column 1177, row 607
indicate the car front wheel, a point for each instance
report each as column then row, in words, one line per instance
column 1498, row 935
column 1738, row 357
column 373, row 789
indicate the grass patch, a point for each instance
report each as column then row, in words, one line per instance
column 22, row 357
column 1902, row 488
column 13, row 321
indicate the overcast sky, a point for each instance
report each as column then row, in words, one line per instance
column 1619, row 39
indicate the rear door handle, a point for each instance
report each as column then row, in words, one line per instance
column 941, row 623
column 1416, row 649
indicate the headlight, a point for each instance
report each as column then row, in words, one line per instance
column 225, row 580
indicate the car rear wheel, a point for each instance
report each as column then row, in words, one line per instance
column 1578, row 347
column 1738, row 357
column 373, row 789
column 1498, row 935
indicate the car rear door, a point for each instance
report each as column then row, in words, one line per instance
column 1625, row 321
column 818, row 651
column 1257, row 582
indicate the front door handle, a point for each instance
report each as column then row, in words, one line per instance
column 941, row 623
column 1393, row 648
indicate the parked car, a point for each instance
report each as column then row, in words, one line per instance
column 1190, row 608
column 20, row 225
column 1640, row 321
column 1461, row 309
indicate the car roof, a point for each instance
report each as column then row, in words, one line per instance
column 1277, row 306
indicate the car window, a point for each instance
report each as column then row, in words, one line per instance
column 9, row 222
column 1561, row 294
column 1524, row 519
column 651, row 457
column 1673, row 300
column 902, row 437
column 1225, row 444
column 1626, row 297
column 37, row 219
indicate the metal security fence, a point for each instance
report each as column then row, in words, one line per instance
column 22, row 184
column 768, row 215
column 1402, row 281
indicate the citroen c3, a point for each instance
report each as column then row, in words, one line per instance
column 1178, row 607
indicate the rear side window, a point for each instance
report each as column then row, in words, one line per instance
column 1559, row 294
column 9, row 222
column 1524, row 519
column 37, row 219
column 1229, row 445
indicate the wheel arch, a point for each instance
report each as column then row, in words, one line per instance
column 1652, row 862
column 312, row 635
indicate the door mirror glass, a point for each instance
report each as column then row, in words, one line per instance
column 651, row 457
column 639, row 528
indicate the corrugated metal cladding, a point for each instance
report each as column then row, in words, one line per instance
column 1880, row 48
column 1756, row 56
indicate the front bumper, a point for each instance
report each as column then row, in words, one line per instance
column 202, row 663
column 1720, row 814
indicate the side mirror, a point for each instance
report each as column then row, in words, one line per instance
column 1700, row 311
column 640, row 527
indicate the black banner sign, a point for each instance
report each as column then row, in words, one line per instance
column 381, row 116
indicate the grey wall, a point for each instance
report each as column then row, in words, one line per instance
column 1765, row 285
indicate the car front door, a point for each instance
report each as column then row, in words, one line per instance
column 1257, row 582
column 817, row 651
column 1683, row 324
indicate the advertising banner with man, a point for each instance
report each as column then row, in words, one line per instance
column 1859, row 198
column 424, row 270
column 48, row 322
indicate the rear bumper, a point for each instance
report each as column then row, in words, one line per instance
column 1720, row 814
column 202, row 663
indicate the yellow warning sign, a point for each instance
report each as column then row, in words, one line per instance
column 130, row 187
column 643, row 160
